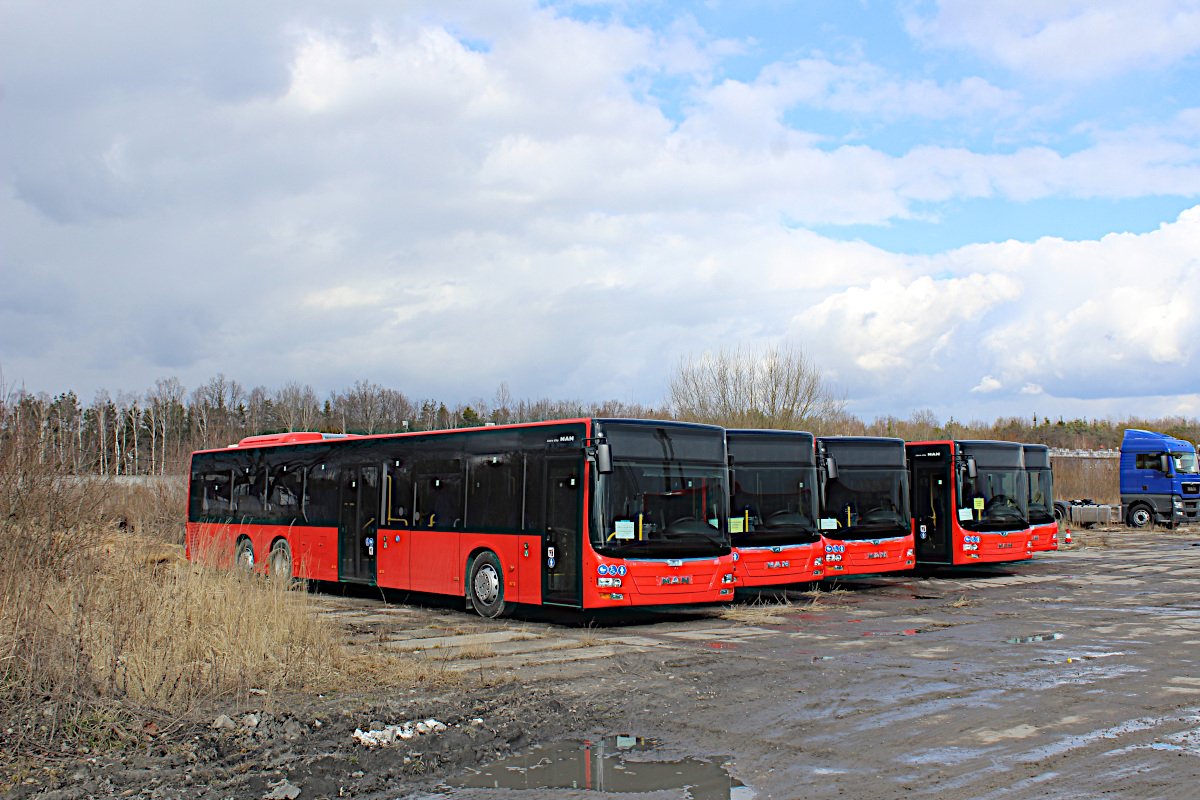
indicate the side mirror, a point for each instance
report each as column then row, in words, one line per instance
column 972, row 472
column 831, row 471
column 1164, row 463
column 604, row 459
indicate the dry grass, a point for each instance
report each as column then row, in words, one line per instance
column 1093, row 478
column 766, row 613
column 962, row 602
column 104, row 625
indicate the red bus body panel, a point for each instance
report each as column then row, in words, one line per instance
column 1044, row 537
column 867, row 556
column 774, row 566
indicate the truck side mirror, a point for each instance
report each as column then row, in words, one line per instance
column 604, row 459
column 831, row 470
column 972, row 471
column 1164, row 463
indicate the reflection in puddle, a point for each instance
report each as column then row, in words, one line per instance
column 1041, row 637
column 601, row 764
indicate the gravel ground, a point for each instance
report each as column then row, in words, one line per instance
column 1070, row 676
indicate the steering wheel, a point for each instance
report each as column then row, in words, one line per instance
column 878, row 515
column 1000, row 499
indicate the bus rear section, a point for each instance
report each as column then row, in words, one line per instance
column 864, row 518
column 1040, row 480
column 773, row 507
column 498, row 515
column 970, row 502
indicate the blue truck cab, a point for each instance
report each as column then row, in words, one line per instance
column 1159, row 480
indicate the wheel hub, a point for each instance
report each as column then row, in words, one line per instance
column 487, row 585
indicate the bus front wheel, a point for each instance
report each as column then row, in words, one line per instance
column 1140, row 516
column 487, row 585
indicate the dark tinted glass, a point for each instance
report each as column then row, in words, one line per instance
column 321, row 494
column 770, row 449
column 1037, row 457
column 494, row 491
column 866, row 452
column 249, row 490
column 665, row 442
column 439, row 492
column 994, row 454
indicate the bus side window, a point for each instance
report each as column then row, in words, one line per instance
column 494, row 491
column 398, row 491
column 214, row 494
column 321, row 494
column 284, row 491
column 439, row 494
column 248, row 491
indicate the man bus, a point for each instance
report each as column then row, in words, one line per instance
column 1042, row 524
column 864, row 519
column 970, row 501
column 578, row 513
column 773, row 507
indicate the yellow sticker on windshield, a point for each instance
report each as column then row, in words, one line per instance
column 979, row 504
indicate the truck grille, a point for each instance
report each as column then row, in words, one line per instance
column 1191, row 488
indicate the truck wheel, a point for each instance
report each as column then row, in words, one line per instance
column 487, row 585
column 1060, row 513
column 1140, row 516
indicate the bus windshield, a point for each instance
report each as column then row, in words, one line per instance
column 1041, row 496
column 1184, row 462
column 773, row 506
column 866, row 504
column 662, row 511
column 995, row 500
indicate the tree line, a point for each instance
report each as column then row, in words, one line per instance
column 154, row 432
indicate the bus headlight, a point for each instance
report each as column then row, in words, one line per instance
column 909, row 553
column 727, row 578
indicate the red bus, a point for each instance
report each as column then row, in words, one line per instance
column 579, row 513
column 773, row 507
column 865, row 522
column 970, row 501
column 1043, row 525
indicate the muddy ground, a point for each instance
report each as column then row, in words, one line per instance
column 1073, row 675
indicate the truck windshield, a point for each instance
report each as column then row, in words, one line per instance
column 672, row 511
column 773, row 506
column 866, row 504
column 995, row 500
column 1184, row 462
column 1041, row 496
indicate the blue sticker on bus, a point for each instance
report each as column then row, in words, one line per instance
column 621, row 570
column 550, row 563
column 602, row 569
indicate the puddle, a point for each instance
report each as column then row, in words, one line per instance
column 1041, row 637
column 602, row 765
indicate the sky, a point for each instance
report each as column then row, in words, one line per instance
column 982, row 209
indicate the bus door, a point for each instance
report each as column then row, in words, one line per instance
column 358, row 525
column 931, row 511
column 562, row 542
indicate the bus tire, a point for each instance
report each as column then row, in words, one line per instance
column 279, row 561
column 243, row 554
column 486, row 585
column 1140, row 516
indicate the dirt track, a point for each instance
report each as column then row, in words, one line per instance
column 1070, row 676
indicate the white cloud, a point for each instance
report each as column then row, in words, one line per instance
column 1067, row 39
column 988, row 384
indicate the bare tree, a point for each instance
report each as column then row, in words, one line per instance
column 746, row 387
column 297, row 406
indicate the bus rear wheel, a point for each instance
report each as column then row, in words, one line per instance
column 486, row 586
column 243, row 555
column 279, row 562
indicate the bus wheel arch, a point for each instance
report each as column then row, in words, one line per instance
column 279, row 559
column 1140, row 515
column 243, row 554
column 485, row 584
